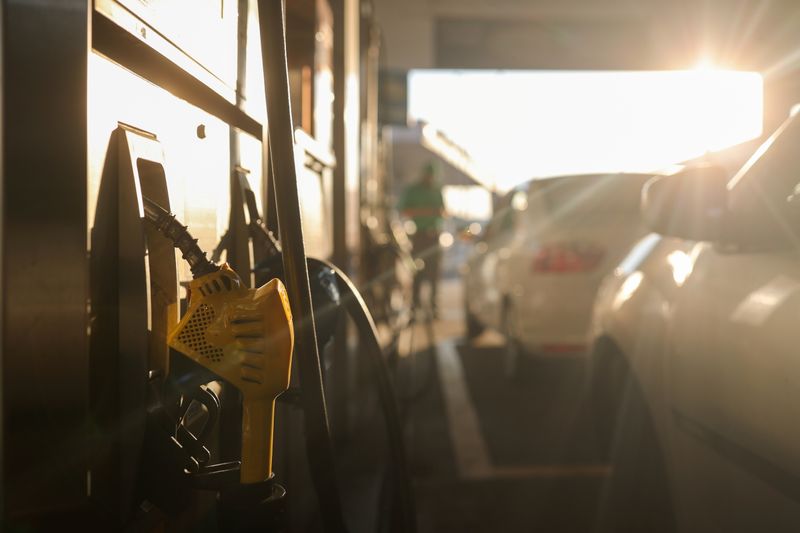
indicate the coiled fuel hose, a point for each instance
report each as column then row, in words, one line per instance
column 404, row 516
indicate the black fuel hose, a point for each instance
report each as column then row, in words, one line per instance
column 166, row 223
column 404, row 516
column 333, row 291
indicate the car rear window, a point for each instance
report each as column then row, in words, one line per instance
column 587, row 198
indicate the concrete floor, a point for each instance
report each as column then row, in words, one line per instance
column 489, row 454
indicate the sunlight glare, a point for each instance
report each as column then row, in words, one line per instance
column 528, row 124
column 628, row 288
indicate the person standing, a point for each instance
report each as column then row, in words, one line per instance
column 423, row 204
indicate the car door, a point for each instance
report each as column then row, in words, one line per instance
column 734, row 370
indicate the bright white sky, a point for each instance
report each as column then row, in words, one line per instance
column 523, row 124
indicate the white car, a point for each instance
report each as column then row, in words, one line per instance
column 534, row 274
column 696, row 349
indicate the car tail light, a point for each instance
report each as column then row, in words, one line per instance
column 567, row 257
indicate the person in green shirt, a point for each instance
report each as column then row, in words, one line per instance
column 423, row 204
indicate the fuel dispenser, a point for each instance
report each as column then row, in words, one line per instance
column 334, row 297
column 161, row 346
column 244, row 336
column 150, row 369
column 165, row 368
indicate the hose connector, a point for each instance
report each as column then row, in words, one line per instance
column 166, row 223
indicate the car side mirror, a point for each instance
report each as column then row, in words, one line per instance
column 690, row 204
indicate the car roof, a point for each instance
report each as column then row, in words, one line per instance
column 576, row 177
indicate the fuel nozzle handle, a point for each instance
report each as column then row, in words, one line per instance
column 166, row 223
column 245, row 336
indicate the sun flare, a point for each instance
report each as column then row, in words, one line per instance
column 543, row 123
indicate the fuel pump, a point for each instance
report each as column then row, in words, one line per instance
column 244, row 336
column 334, row 295
column 154, row 371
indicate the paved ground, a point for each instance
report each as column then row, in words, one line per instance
column 493, row 455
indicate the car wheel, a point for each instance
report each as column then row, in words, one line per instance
column 513, row 353
column 473, row 327
column 636, row 495
column 610, row 373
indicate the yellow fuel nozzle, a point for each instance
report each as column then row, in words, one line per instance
column 246, row 337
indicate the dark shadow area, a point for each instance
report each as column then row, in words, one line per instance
column 537, row 419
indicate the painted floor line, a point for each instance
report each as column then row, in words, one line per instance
column 469, row 446
column 551, row 471
column 472, row 456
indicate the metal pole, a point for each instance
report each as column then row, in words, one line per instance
column 230, row 438
column 339, row 372
column 339, row 136
column 281, row 145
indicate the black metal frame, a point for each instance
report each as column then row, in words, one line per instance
column 287, row 203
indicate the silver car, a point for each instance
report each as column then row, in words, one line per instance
column 695, row 368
